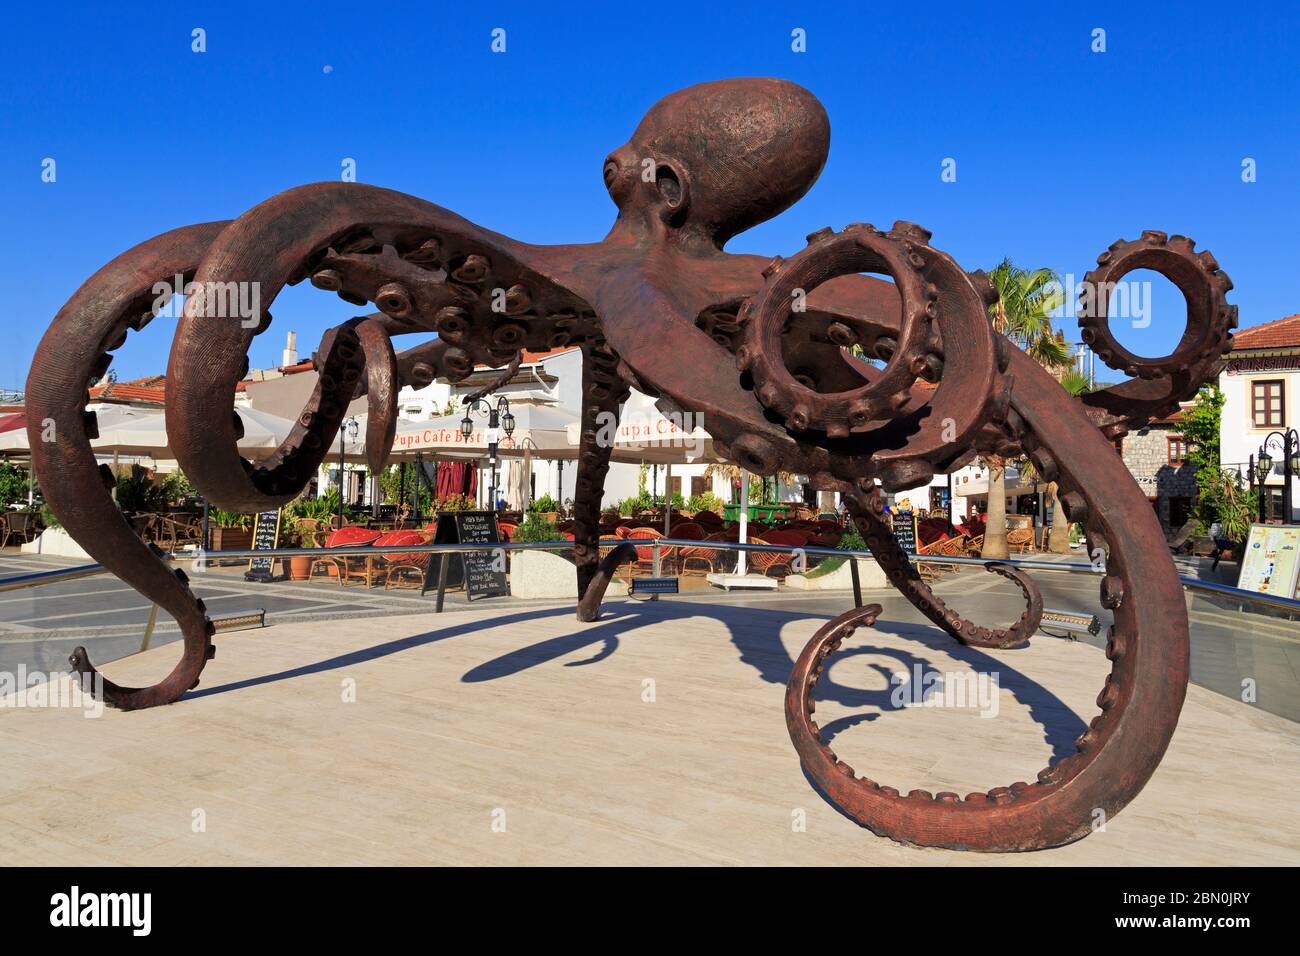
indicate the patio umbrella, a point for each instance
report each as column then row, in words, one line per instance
column 519, row 474
column 146, row 434
column 645, row 434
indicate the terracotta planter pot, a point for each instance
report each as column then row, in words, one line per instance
column 299, row 568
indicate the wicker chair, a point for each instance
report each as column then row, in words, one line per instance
column 766, row 562
column 348, row 567
column 403, row 570
column 1020, row 540
column 645, row 554
column 18, row 524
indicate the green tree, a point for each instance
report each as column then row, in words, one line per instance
column 1023, row 313
column 1220, row 495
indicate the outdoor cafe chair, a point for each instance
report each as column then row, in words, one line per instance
column 645, row 554
column 1020, row 540
column 23, row 525
column 403, row 570
column 348, row 567
column 766, row 562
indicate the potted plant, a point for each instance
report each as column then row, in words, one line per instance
column 546, row 508
column 540, row 573
column 230, row 531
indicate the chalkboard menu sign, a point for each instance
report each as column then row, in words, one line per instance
column 483, row 572
column 905, row 531
column 266, row 536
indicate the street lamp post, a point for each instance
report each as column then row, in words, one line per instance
column 348, row 429
column 499, row 419
column 1288, row 442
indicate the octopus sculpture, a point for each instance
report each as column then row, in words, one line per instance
column 765, row 350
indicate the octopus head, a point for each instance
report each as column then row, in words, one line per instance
column 718, row 158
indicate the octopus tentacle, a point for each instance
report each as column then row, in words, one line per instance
column 1139, row 704
column 73, row 354
column 867, row 509
column 381, row 388
column 604, row 392
column 426, row 268
column 1156, row 385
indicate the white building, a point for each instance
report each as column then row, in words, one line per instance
column 1261, row 387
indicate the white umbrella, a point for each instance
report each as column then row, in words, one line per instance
column 145, row 433
column 108, row 416
column 644, row 433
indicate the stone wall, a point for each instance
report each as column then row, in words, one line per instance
column 1146, row 455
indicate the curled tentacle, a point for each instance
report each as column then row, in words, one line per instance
column 1139, row 704
column 603, row 395
column 1156, row 385
column 878, row 419
column 594, row 592
column 382, row 388
column 426, row 268
column 867, row 509
column 73, row 354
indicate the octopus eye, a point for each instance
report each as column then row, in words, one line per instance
column 611, row 173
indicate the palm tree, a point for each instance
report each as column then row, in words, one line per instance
column 1023, row 313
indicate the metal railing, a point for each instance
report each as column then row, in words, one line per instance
column 57, row 575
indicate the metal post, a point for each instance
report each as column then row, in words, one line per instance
column 654, row 551
column 148, row 628
column 1289, row 441
column 206, row 540
column 494, row 422
column 744, row 519
column 415, row 487
column 342, row 430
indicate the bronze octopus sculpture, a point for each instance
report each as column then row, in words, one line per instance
column 758, row 347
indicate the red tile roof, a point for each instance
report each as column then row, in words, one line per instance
column 150, row 390
column 1279, row 334
column 531, row 357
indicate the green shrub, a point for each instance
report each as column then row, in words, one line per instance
column 136, row 492
column 852, row 541
column 229, row 519
column 545, row 504
column 707, row 501
column 13, row 484
column 630, row 506
column 536, row 529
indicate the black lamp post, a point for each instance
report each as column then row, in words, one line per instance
column 499, row 417
column 1288, row 442
column 348, row 429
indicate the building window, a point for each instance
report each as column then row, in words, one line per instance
column 1266, row 403
column 1177, row 450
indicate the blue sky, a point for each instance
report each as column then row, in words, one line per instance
column 1059, row 150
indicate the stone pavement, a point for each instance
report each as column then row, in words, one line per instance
column 656, row 735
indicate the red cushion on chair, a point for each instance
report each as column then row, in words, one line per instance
column 408, row 536
column 352, row 536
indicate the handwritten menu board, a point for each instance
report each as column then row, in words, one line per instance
column 483, row 572
column 905, row 531
column 1271, row 563
column 266, row 535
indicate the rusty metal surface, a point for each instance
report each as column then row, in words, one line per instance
column 658, row 305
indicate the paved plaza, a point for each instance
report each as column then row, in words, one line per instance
column 507, row 733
